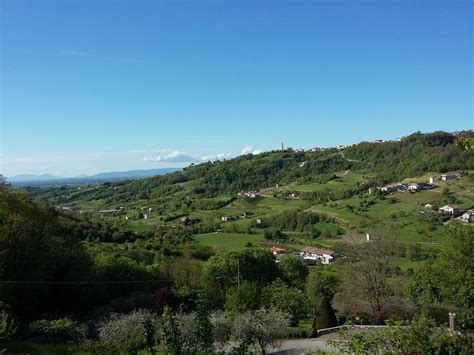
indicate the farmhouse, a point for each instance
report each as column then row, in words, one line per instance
column 226, row 218
column 449, row 176
column 249, row 194
column 397, row 186
column 414, row 187
column 294, row 196
column 449, row 209
column 468, row 216
column 432, row 180
column 317, row 255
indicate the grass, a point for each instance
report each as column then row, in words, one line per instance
column 228, row 241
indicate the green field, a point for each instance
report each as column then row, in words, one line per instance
column 228, row 240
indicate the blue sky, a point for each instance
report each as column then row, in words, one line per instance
column 90, row 86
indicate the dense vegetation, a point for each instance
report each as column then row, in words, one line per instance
column 84, row 266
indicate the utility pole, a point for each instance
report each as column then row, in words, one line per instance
column 282, row 146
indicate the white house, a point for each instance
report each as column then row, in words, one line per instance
column 468, row 216
column 225, row 218
column 315, row 255
column 449, row 209
column 432, row 180
column 414, row 187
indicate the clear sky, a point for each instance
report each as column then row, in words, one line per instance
column 90, row 86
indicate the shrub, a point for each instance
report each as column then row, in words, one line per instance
column 128, row 331
column 57, row 330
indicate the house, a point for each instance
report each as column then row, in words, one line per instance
column 379, row 141
column 317, row 255
column 449, row 176
column 294, row 196
column 146, row 215
column 185, row 220
column 468, row 216
column 414, row 186
column 341, row 147
column 430, row 206
column 225, row 218
column 398, row 186
column 277, row 251
column 249, row 194
column 303, row 164
column 316, row 149
column 258, row 221
column 449, row 209
column 432, row 180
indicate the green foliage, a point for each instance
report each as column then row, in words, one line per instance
column 130, row 332
column 8, row 327
column 288, row 300
column 265, row 327
column 293, row 271
column 324, row 316
column 416, row 337
column 251, row 264
column 57, row 330
column 243, row 298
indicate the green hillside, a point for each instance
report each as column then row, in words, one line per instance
column 331, row 184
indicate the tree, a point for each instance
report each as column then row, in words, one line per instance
column 324, row 316
column 454, row 270
column 320, row 285
column 129, row 331
column 293, row 271
column 242, row 298
column 263, row 327
column 226, row 270
column 286, row 299
column 364, row 287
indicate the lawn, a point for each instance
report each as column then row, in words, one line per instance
column 227, row 241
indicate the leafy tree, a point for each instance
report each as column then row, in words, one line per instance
column 226, row 270
column 293, row 271
column 130, row 332
column 286, row 299
column 321, row 285
column 263, row 327
column 455, row 271
column 247, row 296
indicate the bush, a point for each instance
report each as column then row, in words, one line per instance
column 129, row 331
column 57, row 330
column 7, row 326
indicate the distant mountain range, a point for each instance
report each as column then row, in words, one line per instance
column 49, row 179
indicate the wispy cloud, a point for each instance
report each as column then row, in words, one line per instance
column 173, row 157
column 182, row 157
column 249, row 150
column 75, row 53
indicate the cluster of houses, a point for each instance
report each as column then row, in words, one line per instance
column 402, row 187
column 310, row 255
column 453, row 210
column 249, row 194
column 417, row 186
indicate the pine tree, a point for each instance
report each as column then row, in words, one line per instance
column 324, row 316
